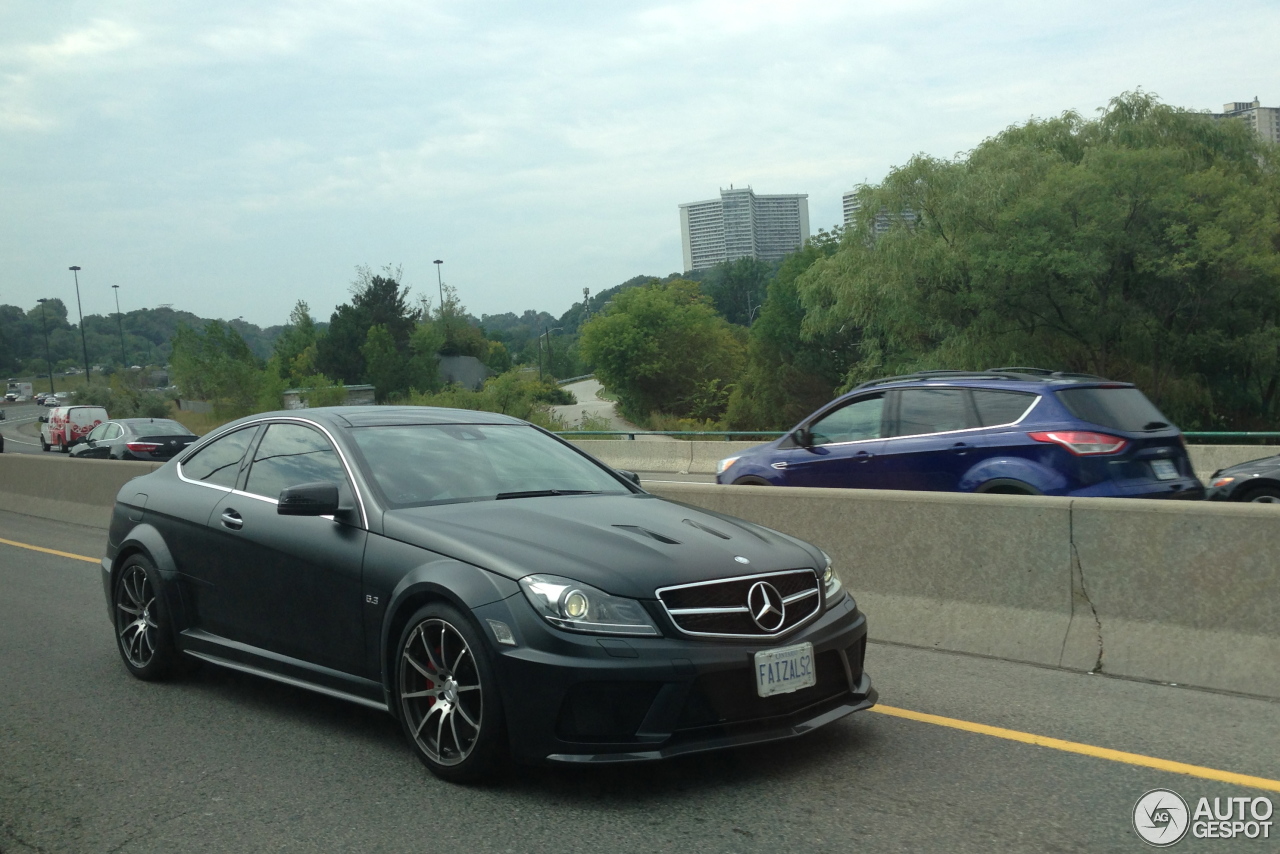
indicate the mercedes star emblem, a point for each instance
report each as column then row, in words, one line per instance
column 766, row 606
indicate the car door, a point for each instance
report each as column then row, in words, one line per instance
column 291, row 585
column 843, row 447
column 932, row 438
column 96, row 442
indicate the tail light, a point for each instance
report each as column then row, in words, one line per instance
column 143, row 447
column 1083, row 443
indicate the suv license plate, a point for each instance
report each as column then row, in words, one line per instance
column 1164, row 469
column 785, row 669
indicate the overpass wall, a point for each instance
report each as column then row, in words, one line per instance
column 1185, row 592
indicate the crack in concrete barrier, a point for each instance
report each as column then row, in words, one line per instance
column 1080, row 591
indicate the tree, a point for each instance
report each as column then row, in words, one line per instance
column 1143, row 245
column 383, row 365
column 663, row 348
column 216, row 365
column 738, row 288
column 789, row 374
column 295, row 348
column 377, row 300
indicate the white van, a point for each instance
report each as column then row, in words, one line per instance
column 67, row 425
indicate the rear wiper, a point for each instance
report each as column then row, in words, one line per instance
column 1154, row 425
column 541, row 493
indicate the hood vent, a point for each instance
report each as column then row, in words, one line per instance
column 712, row 531
column 645, row 532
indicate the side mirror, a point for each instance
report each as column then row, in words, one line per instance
column 629, row 475
column 309, row 499
column 803, row 437
column 44, row 419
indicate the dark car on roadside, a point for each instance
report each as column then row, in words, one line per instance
column 1255, row 481
column 1007, row 430
column 497, row 590
column 151, row 440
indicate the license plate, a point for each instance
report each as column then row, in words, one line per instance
column 785, row 669
column 1164, row 469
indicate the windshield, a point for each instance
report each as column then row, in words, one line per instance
column 160, row 428
column 1118, row 408
column 446, row 463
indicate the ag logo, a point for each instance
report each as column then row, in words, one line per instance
column 1160, row 817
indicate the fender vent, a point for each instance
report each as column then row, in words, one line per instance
column 712, row 531
column 645, row 532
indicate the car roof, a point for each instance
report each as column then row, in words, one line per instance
column 378, row 416
column 1032, row 379
column 134, row 422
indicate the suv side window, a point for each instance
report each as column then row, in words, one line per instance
column 931, row 410
column 290, row 454
column 1001, row 407
column 219, row 462
column 851, row 423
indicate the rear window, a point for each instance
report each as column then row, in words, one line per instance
column 161, row 428
column 1118, row 408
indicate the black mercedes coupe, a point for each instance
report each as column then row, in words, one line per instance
column 499, row 591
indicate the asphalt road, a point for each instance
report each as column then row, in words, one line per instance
column 21, row 428
column 92, row 760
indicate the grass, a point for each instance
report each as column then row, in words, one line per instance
column 197, row 422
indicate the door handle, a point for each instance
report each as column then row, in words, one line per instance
column 960, row 447
column 231, row 519
column 863, row 456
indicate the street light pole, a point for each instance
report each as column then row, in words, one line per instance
column 83, row 346
column 45, row 329
column 124, row 363
column 440, row 284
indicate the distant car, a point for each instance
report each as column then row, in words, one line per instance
column 152, row 440
column 1257, row 481
column 1023, row 431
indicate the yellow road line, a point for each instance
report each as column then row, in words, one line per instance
column 1085, row 749
column 49, row 551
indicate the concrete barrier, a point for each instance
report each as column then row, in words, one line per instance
column 700, row 457
column 1182, row 592
column 53, row 486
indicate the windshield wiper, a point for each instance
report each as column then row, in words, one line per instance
column 540, row 493
column 1155, row 425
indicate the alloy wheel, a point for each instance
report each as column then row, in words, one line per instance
column 135, row 616
column 440, row 695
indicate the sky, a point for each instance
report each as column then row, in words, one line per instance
column 231, row 158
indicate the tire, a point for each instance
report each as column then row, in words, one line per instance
column 446, row 695
column 144, row 633
column 751, row 481
column 1262, row 495
column 44, row 446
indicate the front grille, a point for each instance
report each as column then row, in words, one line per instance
column 605, row 711
column 720, row 608
column 730, row 696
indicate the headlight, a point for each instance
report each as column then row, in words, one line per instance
column 566, row 604
column 723, row 465
column 832, row 587
column 1223, row 481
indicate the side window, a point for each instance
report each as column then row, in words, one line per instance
column 851, row 423
column 113, row 431
column 931, row 410
column 98, row 432
column 219, row 462
column 290, row 454
column 1001, row 407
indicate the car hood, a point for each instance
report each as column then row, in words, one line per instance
column 1251, row 466
column 626, row 545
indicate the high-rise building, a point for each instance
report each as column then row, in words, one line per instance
column 741, row 224
column 1264, row 121
column 883, row 221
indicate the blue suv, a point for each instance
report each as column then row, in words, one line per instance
column 1007, row 430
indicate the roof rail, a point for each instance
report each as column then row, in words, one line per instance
column 989, row 374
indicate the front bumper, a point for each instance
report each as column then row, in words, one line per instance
column 580, row 698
